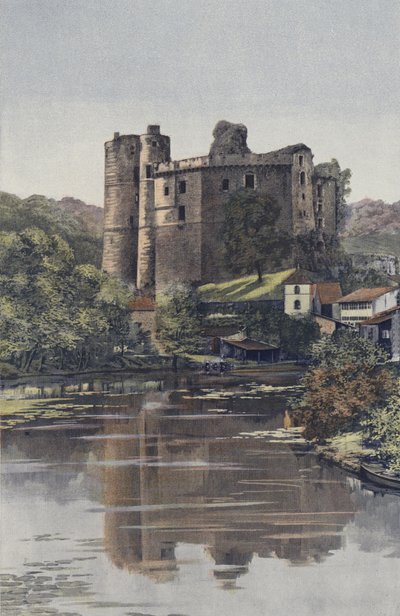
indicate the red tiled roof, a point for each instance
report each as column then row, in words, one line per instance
column 142, row 303
column 329, row 292
column 365, row 294
column 381, row 317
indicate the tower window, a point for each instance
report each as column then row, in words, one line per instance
column 136, row 197
column 319, row 190
column 249, row 180
column 132, row 150
column 182, row 187
column 148, row 171
column 297, row 304
column 303, row 196
column 319, row 208
column 320, row 223
column 154, row 144
column 297, row 290
column 302, row 178
column 301, row 160
column 225, row 184
column 166, row 191
column 181, row 213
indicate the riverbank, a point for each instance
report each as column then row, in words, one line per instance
column 345, row 451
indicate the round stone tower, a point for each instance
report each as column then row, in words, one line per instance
column 154, row 149
column 121, row 206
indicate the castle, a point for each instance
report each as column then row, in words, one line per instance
column 163, row 218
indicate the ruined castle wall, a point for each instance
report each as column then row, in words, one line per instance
column 302, row 193
column 271, row 180
column 121, row 216
column 178, row 228
column 155, row 149
column 326, row 209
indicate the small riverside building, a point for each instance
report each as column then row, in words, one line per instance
column 244, row 348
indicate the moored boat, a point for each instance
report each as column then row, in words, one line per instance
column 376, row 474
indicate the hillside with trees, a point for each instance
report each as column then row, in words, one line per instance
column 371, row 226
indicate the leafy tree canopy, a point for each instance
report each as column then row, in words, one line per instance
column 178, row 321
column 251, row 238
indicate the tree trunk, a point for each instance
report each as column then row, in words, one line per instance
column 259, row 272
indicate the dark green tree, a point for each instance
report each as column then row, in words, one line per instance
column 178, row 321
column 251, row 238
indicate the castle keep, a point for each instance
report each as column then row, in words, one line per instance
column 163, row 218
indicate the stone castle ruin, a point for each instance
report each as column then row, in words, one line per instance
column 163, row 218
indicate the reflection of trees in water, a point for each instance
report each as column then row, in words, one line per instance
column 210, row 479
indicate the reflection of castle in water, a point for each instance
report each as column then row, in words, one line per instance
column 239, row 497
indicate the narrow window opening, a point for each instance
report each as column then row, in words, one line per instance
column 166, row 191
column 249, row 180
column 182, row 187
column 154, row 144
column 303, row 196
column 297, row 304
column 297, row 290
column 136, row 197
column 225, row 184
column 301, row 160
column 319, row 223
column 182, row 213
column 319, row 190
column 302, row 178
column 319, row 208
column 148, row 171
column 132, row 150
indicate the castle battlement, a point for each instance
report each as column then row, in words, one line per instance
column 163, row 218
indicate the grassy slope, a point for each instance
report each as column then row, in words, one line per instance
column 376, row 243
column 245, row 288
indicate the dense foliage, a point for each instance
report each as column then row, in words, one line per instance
column 251, row 239
column 383, row 429
column 346, row 380
column 37, row 211
column 178, row 321
column 55, row 313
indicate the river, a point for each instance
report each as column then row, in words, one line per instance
column 181, row 494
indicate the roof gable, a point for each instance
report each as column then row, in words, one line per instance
column 366, row 294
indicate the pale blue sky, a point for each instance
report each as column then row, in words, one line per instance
column 322, row 72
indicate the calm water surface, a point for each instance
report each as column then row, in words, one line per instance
column 183, row 495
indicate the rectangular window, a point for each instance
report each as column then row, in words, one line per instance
column 319, row 191
column 148, row 171
column 249, row 180
column 182, row 187
column 166, row 191
column 225, row 184
column 137, row 198
column 154, row 144
column 301, row 160
column 181, row 213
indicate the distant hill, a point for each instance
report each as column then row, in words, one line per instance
column 91, row 216
column 75, row 221
column 372, row 226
